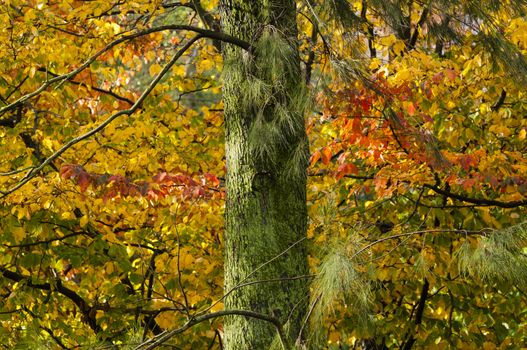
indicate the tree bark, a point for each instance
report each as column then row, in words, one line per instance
column 266, row 155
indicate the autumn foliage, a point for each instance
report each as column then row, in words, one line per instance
column 117, row 236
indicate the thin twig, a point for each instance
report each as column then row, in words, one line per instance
column 241, row 283
column 308, row 315
column 180, row 283
column 380, row 240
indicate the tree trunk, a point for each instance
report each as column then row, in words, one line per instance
column 267, row 152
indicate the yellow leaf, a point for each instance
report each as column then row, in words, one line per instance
column 110, row 268
column 206, row 64
column 155, row 69
column 375, row 63
column 388, row 40
column 165, row 320
column 178, row 70
column 84, row 221
column 489, row 346
column 48, row 143
column 398, row 47
column 18, row 234
column 334, row 337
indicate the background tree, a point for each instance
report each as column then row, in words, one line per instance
column 113, row 174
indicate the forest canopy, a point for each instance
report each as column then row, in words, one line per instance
column 239, row 174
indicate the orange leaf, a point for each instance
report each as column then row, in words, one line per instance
column 345, row 169
column 451, row 74
column 314, row 158
column 326, row 155
column 411, row 108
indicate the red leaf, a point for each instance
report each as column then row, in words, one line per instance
column 83, row 180
column 366, row 105
column 160, row 177
column 212, row 179
column 68, row 171
column 357, row 125
column 438, row 77
column 427, row 118
column 345, row 169
column 468, row 184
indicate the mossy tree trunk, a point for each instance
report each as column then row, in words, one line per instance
column 267, row 153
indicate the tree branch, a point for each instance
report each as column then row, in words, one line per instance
column 54, row 337
column 205, row 33
column 47, row 241
column 383, row 239
column 13, row 120
column 83, row 306
column 103, row 91
column 371, row 31
column 311, row 55
column 418, row 315
column 478, row 201
column 34, row 171
column 208, row 20
column 415, row 34
column 154, row 343
column 323, row 172
column 500, row 102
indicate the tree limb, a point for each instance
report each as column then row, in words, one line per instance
column 208, row 20
column 500, row 102
column 34, row 171
column 415, row 34
column 383, row 239
column 203, row 33
column 83, row 306
column 418, row 315
column 154, row 343
column 103, row 91
column 478, row 201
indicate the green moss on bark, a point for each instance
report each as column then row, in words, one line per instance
column 266, row 151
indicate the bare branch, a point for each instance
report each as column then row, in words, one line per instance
column 95, row 88
column 154, row 343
